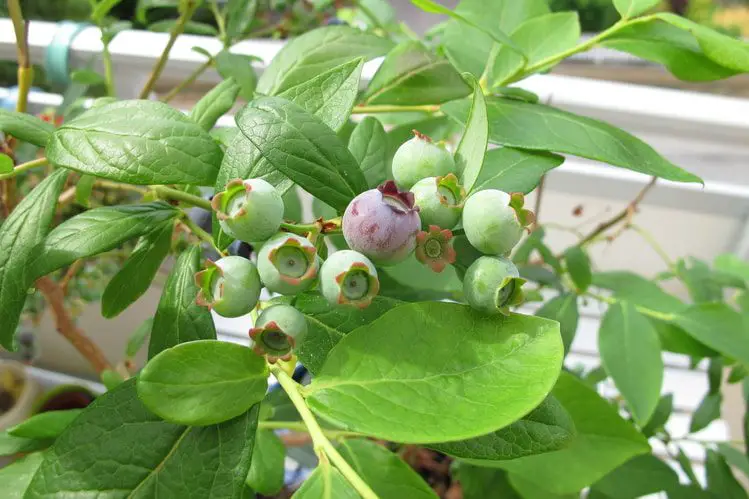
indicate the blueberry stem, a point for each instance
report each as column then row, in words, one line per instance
column 301, row 427
column 185, row 197
column 394, row 109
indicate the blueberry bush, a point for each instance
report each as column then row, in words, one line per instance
column 398, row 294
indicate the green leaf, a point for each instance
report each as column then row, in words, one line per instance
column 631, row 354
column 239, row 17
column 718, row 326
column 686, row 465
column 511, row 123
column 707, row 412
column 639, row 291
column 675, row 48
column 6, row 164
column 179, row 318
column 116, row 448
column 98, row 230
column 412, row 74
column 326, row 482
column 378, row 367
column 733, row 265
column 578, row 266
column 410, row 280
column 481, row 483
column 10, row 445
column 660, row 416
column 327, row 325
column 558, row 31
column 26, row 127
column 266, row 474
column 604, row 441
column 317, row 51
column 720, row 479
column 386, row 473
column 138, row 338
column 238, row 67
column 137, row 142
column 17, row 475
column 86, row 77
column 110, row 379
column 224, row 135
column 469, row 156
column 638, row 477
column 103, row 7
column 136, row 274
column 514, row 170
column 735, row 457
column 563, row 309
column 215, row 103
column 46, row 425
column 203, row 382
column 303, row 149
column 632, row 8
column 330, row 95
column 369, row 146
column 21, row 232
column 83, row 190
column 547, row 428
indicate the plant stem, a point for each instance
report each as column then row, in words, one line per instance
column 199, row 233
column 320, row 443
column 371, row 16
column 185, row 197
column 188, row 81
column 648, row 237
column 643, row 310
column 219, row 20
column 108, row 184
column 192, row 5
column 301, row 427
column 108, row 71
column 24, row 167
column 428, row 108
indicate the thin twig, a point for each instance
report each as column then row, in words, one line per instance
column 71, row 272
column 625, row 214
column 66, row 326
column 188, row 81
column 539, row 195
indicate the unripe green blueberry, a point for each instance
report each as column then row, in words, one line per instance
column 494, row 221
column 229, row 286
column 440, row 201
column 382, row 224
column 278, row 330
column 492, row 284
column 288, row 264
column 349, row 278
column 420, row 158
column 249, row 210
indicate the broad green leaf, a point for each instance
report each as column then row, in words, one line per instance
column 718, row 326
column 378, row 367
column 17, row 475
column 179, row 318
column 25, row 127
column 732, row 264
column 727, row 51
column 137, row 142
column 224, row 135
column 720, row 479
column 563, row 309
column 514, row 170
column 604, row 441
column 631, row 354
column 412, row 278
column 136, row 274
column 510, row 122
column 469, row 48
column 138, row 338
column 632, row 8
column 686, row 465
column 637, row 290
column 369, row 145
column 215, row 103
column 101, row 10
column 660, row 416
column 83, row 190
column 469, row 156
column 703, row 284
column 478, row 482
column 317, row 51
column 412, row 74
column 238, row 67
column 86, row 77
column 675, row 48
column 330, row 95
column 6, row 164
column 10, row 445
column 203, row 382
column 239, row 16
column 386, row 473
column 707, row 412
column 302, row 148
column 327, row 325
column 266, row 474
column 118, row 449
column 98, row 230
column 326, row 482
column 578, row 266
column 46, row 425
column 735, row 457
column 531, row 489
column 111, row 379
column 20, row 233
column 638, row 477
column 545, row 429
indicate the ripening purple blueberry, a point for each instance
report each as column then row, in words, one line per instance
column 382, row 224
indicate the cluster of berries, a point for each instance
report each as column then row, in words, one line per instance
column 414, row 213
